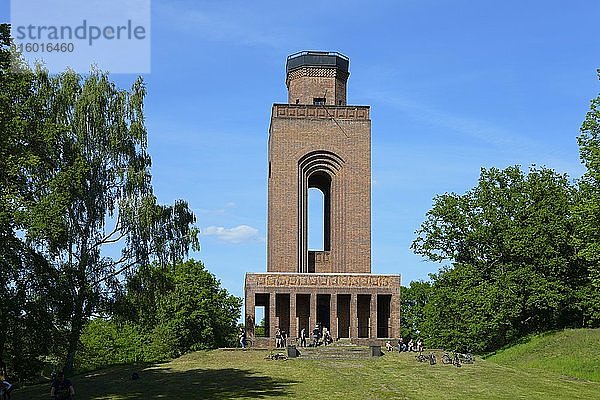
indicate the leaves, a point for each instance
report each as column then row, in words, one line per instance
column 75, row 189
column 182, row 308
column 587, row 210
column 514, row 263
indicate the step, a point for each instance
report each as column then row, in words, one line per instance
column 336, row 351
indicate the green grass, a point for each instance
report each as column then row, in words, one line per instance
column 573, row 352
column 235, row 374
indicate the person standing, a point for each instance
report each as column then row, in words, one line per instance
column 303, row 337
column 278, row 338
column 315, row 335
column 327, row 339
column 5, row 388
column 401, row 345
column 62, row 388
column 243, row 338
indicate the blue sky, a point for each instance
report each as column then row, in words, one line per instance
column 453, row 87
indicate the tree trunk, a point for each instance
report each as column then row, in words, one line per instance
column 74, row 335
column 4, row 326
column 2, row 363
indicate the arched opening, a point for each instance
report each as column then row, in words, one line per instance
column 319, row 188
column 316, row 170
column 316, row 205
column 318, row 221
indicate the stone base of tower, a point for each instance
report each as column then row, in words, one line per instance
column 360, row 307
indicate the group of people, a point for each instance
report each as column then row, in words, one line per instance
column 319, row 336
column 410, row 346
column 280, row 338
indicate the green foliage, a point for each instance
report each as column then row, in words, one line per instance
column 587, row 210
column 467, row 314
column 105, row 343
column 515, row 268
column 138, row 302
column 163, row 343
column 28, row 285
column 74, row 181
column 260, row 329
column 414, row 298
column 201, row 314
column 96, row 192
column 182, row 308
column 163, row 313
column 524, row 252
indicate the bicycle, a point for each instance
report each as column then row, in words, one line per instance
column 247, row 343
column 276, row 356
column 454, row 359
column 466, row 358
column 431, row 358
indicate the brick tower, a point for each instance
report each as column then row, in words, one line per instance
column 317, row 141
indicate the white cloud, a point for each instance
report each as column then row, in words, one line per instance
column 237, row 235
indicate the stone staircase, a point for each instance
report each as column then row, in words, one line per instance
column 340, row 350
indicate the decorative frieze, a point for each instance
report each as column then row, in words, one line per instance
column 281, row 280
column 320, row 111
column 316, row 72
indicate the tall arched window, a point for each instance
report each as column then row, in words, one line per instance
column 316, row 170
column 319, row 185
column 316, row 205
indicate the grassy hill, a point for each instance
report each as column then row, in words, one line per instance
column 574, row 353
column 235, row 374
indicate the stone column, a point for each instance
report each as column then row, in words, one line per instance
column 273, row 319
column 293, row 319
column 333, row 317
column 353, row 316
column 250, row 320
column 312, row 318
column 395, row 316
column 373, row 316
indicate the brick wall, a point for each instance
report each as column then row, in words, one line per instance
column 296, row 131
column 307, row 83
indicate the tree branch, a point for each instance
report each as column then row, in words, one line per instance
column 114, row 273
column 108, row 238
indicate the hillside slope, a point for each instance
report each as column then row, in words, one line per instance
column 235, row 374
column 573, row 353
